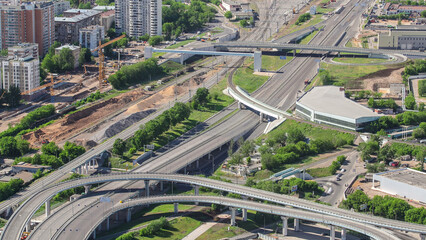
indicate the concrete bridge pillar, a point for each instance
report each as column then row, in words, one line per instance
column 285, row 225
column 369, row 55
column 148, row 52
column 86, row 167
column 332, row 232
column 240, row 105
column 197, row 164
column 257, row 61
column 338, row 54
column 8, row 211
column 294, row 52
column 343, row 237
column 107, row 224
column 176, row 207
column 261, row 117
column 47, row 207
column 182, row 56
column 117, row 216
column 232, row 216
column 161, row 186
column 28, row 226
column 296, row 225
column 184, row 170
column 196, row 192
column 87, row 189
column 146, row 188
column 422, row 236
column 129, row 215
column 94, row 233
column 244, row 214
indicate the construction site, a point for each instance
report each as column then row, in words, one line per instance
column 93, row 122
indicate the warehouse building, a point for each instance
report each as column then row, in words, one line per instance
column 328, row 105
column 405, row 182
column 404, row 37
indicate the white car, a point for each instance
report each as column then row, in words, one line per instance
column 342, row 170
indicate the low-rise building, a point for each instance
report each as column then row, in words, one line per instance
column 405, row 182
column 410, row 37
column 229, row 5
column 104, row 8
column 328, row 105
column 32, row 168
column 67, row 27
column 91, row 35
column 75, row 52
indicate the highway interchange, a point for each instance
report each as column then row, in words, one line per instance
column 81, row 214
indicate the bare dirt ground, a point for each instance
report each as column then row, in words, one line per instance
column 74, row 124
column 382, row 79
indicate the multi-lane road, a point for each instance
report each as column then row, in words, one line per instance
column 18, row 222
column 280, row 91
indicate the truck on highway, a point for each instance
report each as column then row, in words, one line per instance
column 339, row 10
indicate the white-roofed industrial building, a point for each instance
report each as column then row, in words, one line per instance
column 328, row 105
column 404, row 182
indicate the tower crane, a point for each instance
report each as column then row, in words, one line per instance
column 102, row 57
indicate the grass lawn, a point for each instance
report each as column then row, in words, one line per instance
column 314, row 20
column 157, row 54
column 178, row 44
column 219, row 231
column 347, row 76
column 319, row 172
column 245, row 78
column 359, row 60
column 349, row 44
column 180, row 228
column 273, row 63
column 308, row 38
column 171, row 67
column 120, row 163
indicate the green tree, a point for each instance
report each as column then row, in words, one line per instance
column 419, row 133
column 167, row 30
column 13, row 96
column 228, row 14
column 155, row 40
column 85, row 56
column 423, row 14
column 201, row 96
column 71, row 151
column 144, row 37
column 294, row 135
column 111, row 33
column 9, row 147
column 51, row 149
column 22, row 145
column 357, row 201
column 371, row 103
column 84, row 5
column 410, row 102
column 243, row 23
column 119, row 147
column 66, row 59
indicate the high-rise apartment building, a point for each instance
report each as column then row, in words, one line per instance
column 67, row 27
column 91, row 35
column 22, row 67
column 138, row 17
column 28, row 22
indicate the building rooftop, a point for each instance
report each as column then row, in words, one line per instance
column 71, row 47
column 409, row 7
column 410, row 28
column 406, row 175
column 103, row 8
column 332, row 100
column 84, row 13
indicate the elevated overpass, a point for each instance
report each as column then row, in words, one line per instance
column 284, row 212
column 209, row 51
column 21, row 219
column 379, row 53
